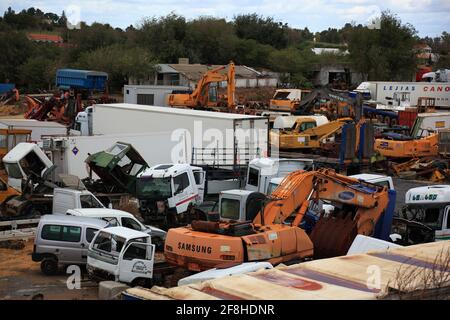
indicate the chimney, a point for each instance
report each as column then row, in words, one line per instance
column 183, row 60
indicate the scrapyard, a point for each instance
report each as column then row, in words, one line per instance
column 309, row 174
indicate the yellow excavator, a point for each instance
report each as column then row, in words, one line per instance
column 311, row 138
column 290, row 224
column 400, row 146
column 200, row 98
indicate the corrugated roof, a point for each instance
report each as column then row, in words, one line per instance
column 79, row 73
column 45, row 37
column 343, row 277
column 195, row 71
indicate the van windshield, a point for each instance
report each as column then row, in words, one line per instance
column 154, row 187
column 89, row 201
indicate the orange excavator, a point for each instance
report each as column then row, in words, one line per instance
column 201, row 97
column 289, row 225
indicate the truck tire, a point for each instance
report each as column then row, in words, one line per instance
column 142, row 282
column 49, row 266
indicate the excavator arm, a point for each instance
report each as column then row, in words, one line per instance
column 297, row 189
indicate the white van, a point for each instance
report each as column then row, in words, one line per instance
column 121, row 218
column 63, row 240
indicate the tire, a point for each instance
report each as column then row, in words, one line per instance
column 49, row 266
column 142, row 282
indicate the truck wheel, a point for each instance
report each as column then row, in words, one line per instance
column 49, row 266
column 142, row 282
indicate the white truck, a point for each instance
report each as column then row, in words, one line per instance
column 121, row 254
column 174, row 194
column 383, row 92
column 425, row 216
column 24, row 160
column 166, row 192
column 430, row 122
column 262, row 171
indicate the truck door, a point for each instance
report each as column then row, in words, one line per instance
column 199, row 177
column 183, row 193
column 136, row 261
column 444, row 233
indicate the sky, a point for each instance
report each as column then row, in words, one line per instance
column 429, row 17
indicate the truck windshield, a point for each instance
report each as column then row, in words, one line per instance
column 281, row 95
column 430, row 216
column 272, row 186
column 13, row 170
column 108, row 243
column 154, row 187
column 88, row 201
column 229, row 209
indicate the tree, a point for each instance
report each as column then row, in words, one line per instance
column 264, row 30
column 164, row 37
column 33, row 73
column 251, row 53
column 15, row 51
column 119, row 62
column 292, row 62
column 210, row 40
column 385, row 53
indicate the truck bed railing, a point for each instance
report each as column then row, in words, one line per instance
column 218, row 157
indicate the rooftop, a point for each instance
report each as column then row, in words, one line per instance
column 44, row 37
column 186, row 112
column 195, row 71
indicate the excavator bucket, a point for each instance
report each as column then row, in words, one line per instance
column 333, row 236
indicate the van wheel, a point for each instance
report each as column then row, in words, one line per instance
column 49, row 266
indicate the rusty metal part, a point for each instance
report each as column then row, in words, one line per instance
column 205, row 226
column 333, row 236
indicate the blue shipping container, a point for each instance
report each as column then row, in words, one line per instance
column 5, row 87
column 81, row 79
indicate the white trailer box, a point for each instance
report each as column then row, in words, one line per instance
column 69, row 153
column 38, row 128
column 211, row 137
column 379, row 91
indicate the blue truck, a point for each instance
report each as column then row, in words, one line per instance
column 67, row 79
column 6, row 87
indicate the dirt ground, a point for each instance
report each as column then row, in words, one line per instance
column 21, row 279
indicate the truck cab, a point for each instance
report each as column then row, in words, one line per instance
column 285, row 99
column 240, row 205
column 23, row 160
column 425, row 216
column 262, row 170
column 169, row 189
column 121, row 254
